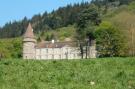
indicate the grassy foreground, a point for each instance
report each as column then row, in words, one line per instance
column 107, row 73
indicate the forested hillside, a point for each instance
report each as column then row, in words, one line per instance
column 109, row 22
column 62, row 17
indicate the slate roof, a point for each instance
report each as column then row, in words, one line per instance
column 46, row 44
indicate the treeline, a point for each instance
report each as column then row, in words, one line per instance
column 62, row 17
column 111, row 2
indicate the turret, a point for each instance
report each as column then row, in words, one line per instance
column 29, row 43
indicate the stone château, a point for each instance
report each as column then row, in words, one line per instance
column 46, row 50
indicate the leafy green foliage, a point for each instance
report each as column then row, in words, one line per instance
column 109, row 40
column 132, row 6
column 111, row 2
column 87, row 20
column 11, row 48
column 107, row 73
column 59, row 34
column 125, row 22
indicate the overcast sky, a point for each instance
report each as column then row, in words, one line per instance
column 11, row 10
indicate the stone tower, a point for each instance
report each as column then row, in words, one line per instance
column 29, row 43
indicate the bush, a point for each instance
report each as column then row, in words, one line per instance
column 109, row 40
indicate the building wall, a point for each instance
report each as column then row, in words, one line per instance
column 28, row 50
column 66, row 52
column 93, row 52
column 58, row 53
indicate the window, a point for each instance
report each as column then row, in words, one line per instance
column 47, row 57
column 40, row 57
column 74, row 56
column 59, row 56
column 46, row 50
column 52, row 56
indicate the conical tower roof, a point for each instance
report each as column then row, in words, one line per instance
column 29, row 32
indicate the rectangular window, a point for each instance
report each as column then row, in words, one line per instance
column 74, row 56
column 59, row 56
column 46, row 50
column 47, row 57
column 52, row 56
column 40, row 57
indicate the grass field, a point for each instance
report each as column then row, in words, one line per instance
column 106, row 73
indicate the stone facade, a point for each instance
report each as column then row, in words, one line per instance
column 51, row 50
column 57, row 53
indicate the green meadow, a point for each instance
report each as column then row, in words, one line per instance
column 105, row 73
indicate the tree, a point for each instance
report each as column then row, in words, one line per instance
column 109, row 40
column 16, row 51
column 88, row 19
column 125, row 22
column 132, row 6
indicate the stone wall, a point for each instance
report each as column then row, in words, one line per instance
column 28, row 50
column 58, row 53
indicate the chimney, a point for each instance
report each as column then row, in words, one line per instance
column 53, row 41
